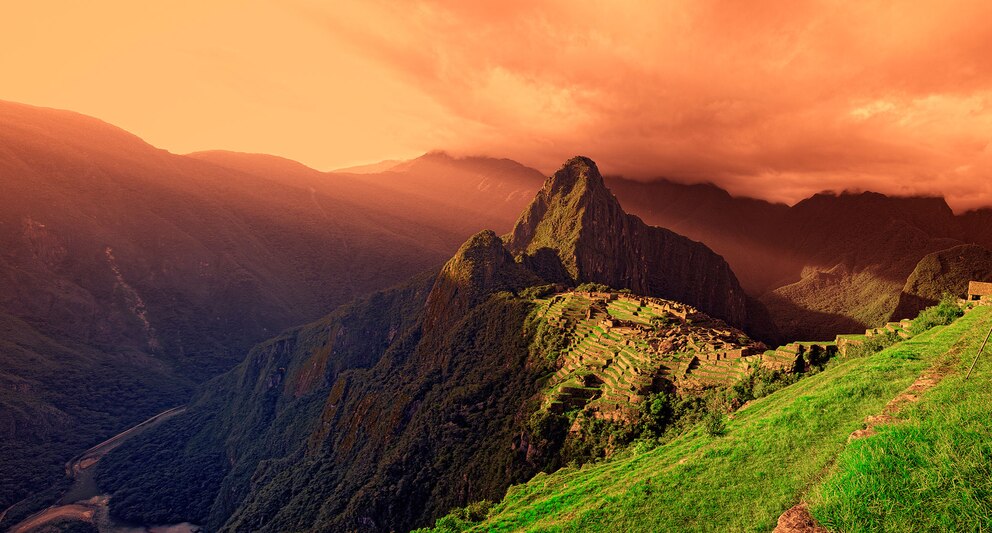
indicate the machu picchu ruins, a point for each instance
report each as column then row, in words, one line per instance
column 621, row 347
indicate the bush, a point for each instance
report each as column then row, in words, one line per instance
column 593, row 287
column 537, row 291
column 941, row 314
column 715, row 424
column 873, row 344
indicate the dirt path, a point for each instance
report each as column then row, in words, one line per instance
column 86, row 510
column 926, row 381
column 75, row 511
column 94, row 454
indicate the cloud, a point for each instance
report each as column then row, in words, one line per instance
column 769, row 99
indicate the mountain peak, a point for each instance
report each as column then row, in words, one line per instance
column 575, row 231
column 481, row 267
column 579, row 171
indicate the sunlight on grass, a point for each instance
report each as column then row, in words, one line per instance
column 932, row 470
column 782, row 446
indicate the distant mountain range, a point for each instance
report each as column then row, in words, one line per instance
column 828, row 264
column 130, row 274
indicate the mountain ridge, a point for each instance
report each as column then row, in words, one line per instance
column 575, row 231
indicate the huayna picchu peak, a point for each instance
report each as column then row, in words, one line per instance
column 575, row 231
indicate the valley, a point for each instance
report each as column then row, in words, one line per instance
column 515, row 358
column 518, row 267
column 580, row 334
column 82, row 502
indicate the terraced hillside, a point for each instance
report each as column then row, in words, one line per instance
column 894, row 441
column 621, row 348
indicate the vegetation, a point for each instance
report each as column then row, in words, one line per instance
column 945, row 312
column 263, row 449
column 932, row 469
column 778, row 447
column 262, row 411
column 593, row 287
column 60, row 398
column 873, row 344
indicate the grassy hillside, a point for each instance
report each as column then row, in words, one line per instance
column 790, row 446
column 931, row 471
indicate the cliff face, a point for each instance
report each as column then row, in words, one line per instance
column 944, row 272
column 575, row 231
column 481, row 267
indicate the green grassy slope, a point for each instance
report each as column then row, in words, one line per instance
column 932, row 469
column 777, row 451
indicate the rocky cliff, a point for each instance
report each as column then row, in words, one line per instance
column 575, row 231
column 944, row 272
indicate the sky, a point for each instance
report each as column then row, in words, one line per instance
column 771, row 99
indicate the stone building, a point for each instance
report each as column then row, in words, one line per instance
column 979, row 291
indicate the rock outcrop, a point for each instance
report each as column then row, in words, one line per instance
column 944, row 272
column 481, row 267
column 575, row 231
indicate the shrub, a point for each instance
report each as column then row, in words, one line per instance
column 715, row 424
column 593, row 287
column 938, row 315
column 873, row 344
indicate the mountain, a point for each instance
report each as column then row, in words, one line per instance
column 898, row 430
column 492, row 191
column 575, row 231
column 371, row 168
column 396, row 408
column 944, row 272
column 455, row 196
column 829, row 264
column 130, row 274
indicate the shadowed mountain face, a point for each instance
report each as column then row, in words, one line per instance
column 829, row 264
column 944, row 272
column 129, row 274
column 575, row 231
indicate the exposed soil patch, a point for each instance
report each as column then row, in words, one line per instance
column 798, row 520
column 927, row 380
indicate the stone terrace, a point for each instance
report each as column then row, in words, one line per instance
column 622, row 348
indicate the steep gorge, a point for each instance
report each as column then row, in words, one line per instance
column 399, row 428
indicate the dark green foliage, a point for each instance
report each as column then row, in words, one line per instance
column 716, row 424
column 593, row 287
column 538, row 291
column 549, row 343
column 657, row 414
column 439, row 440
column 181, row 490
column 938, row 315
column 392, row 436
column 60, row 398
column 461, row 519
column 759, row 383
column 873, row 344
column 263, row 410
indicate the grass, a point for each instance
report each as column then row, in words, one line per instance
column 779, row 448
column 931, row 470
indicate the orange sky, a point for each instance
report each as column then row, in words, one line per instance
column 770, row 99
